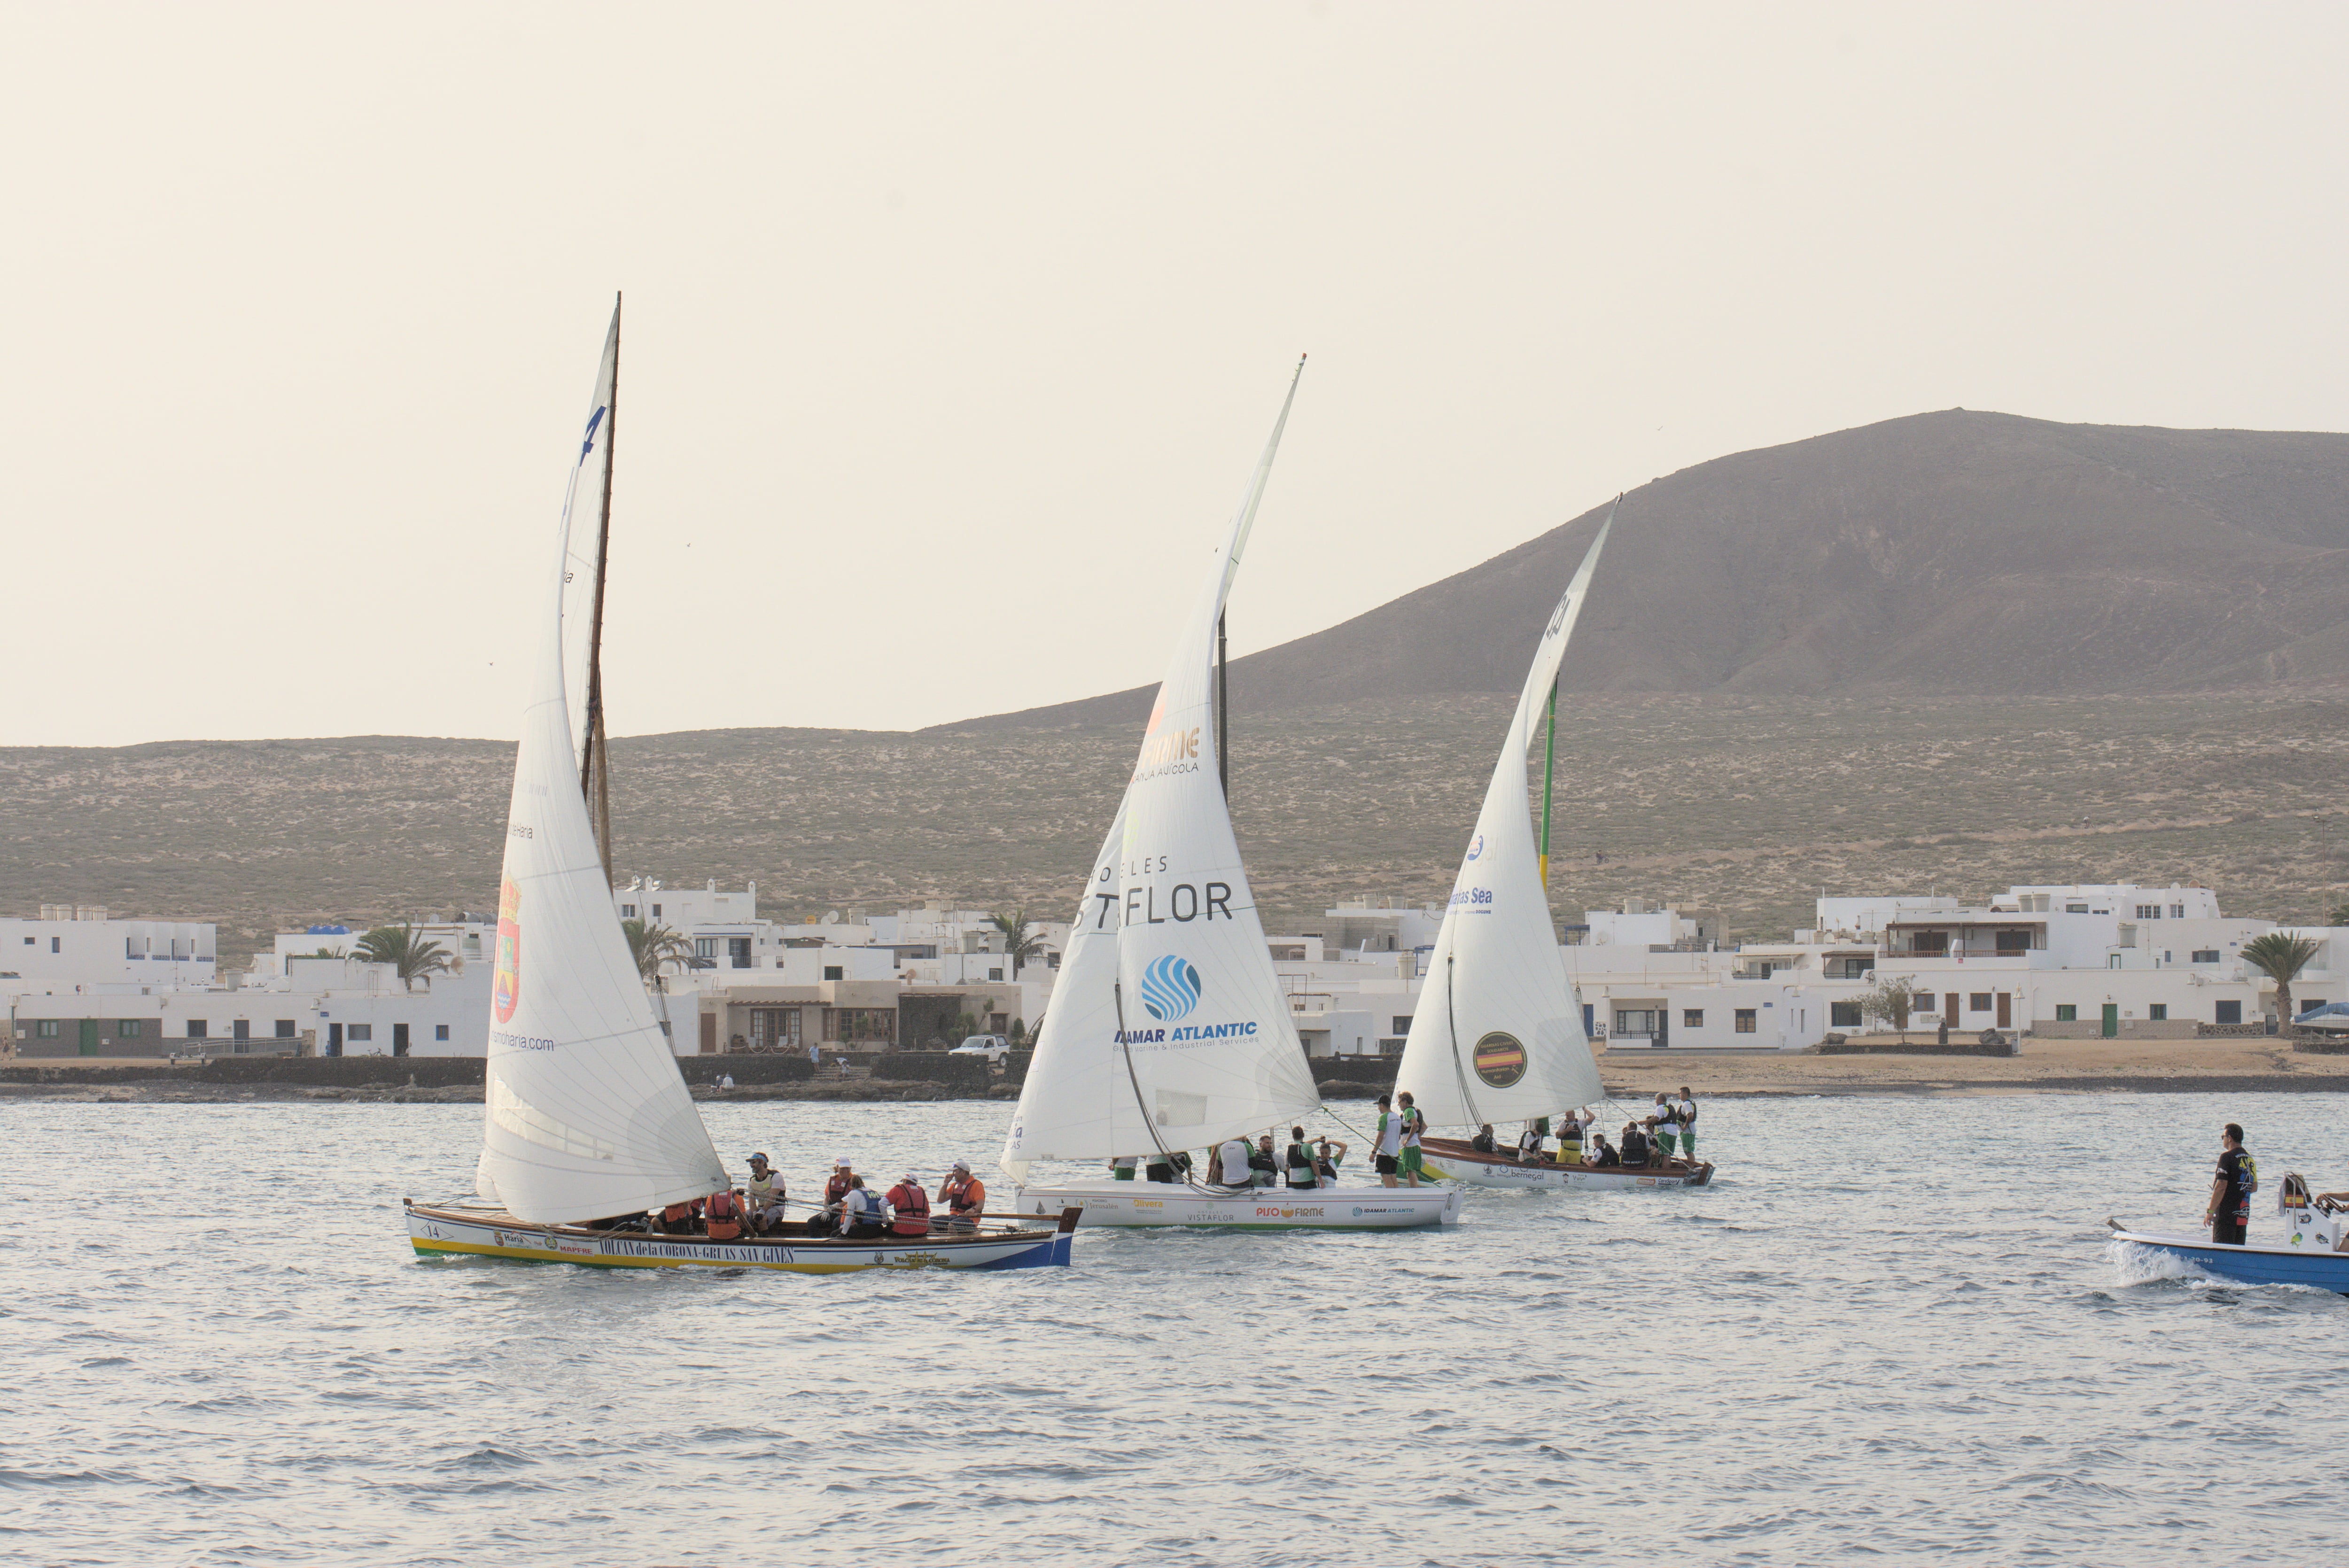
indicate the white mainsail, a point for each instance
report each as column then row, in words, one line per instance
column 586, row 1114
column 1495, row 1033
column 1167, row 1028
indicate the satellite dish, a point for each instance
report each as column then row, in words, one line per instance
column 832, row 917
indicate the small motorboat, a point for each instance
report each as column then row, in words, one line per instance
column 1455, row 1160
column 468, row 1226
column 2314, row 1250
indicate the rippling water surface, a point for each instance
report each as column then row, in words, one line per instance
column 1892, row 1330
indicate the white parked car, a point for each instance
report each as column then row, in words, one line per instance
column 994, row 1048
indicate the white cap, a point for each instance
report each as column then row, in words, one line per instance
column 962, row 1164
column 840, row 1163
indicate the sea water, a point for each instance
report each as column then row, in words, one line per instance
column 1893, row 1329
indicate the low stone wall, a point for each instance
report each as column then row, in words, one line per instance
column 964, row 1075
column 2002, row 1047
column 2231, row 1031
column 348, row 1072
column 2129, row 1029
column 747, row 1068
column 1354, row 1076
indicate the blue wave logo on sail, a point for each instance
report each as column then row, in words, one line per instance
column 1477, row 848
column 1170, row 988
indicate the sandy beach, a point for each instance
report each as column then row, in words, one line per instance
column 2076, row 1066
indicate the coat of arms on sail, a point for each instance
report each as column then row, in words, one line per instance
column 505, row 990
column 1500, row 1059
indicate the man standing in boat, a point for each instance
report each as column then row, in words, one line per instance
column 1414, row 1124
column 2230, row 1212
column 1686, row 1110
column 1386, row 1146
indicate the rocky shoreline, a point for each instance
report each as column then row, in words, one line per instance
column 2251, row 1065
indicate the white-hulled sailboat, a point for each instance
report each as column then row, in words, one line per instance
column 1496, row 1035
column 587, row 1117
column 1168, row 1030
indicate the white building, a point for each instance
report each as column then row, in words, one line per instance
column 79, row 945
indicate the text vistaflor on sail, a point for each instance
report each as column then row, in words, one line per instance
column 1168, row 1030
column 1496, row 1034
column 587, row 1126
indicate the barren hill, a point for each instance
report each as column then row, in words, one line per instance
column 1955, row 552
column 1747, row 804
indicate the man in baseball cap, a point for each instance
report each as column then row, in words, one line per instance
column 762, row 1196
column 964, row 1195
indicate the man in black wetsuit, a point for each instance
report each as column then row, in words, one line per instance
column 2230, row 1212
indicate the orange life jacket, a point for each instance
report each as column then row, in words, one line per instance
column 725, row 1224
column 676, row 1213
column 913, row 1206
column 837, row 1188
column 969, row 1197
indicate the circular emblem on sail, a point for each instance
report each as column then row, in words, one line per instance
column 1170, row 988
column 505, row 989
column 1477, row 848
column 1500, row 1059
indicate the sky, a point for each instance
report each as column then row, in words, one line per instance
column 952, row 331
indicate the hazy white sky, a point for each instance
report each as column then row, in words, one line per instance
column 953, row 330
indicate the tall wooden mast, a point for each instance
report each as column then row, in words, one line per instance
column 594, row 767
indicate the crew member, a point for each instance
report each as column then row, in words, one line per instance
column 1635, row 1144
column 860, row 1211
column 1529, row 1144
column 1264, row 1166
column 828, row 1220
column 763, row 1196
column 2230, row 1212
column 1327, row 1153
column 1414, row 1123
column 1122, row 1168
column 1299, row 1158
column 964, row 1195
column 1569, row 1139
column 676, row 1220
column 724, row 1216
column 1483, row 1144
column 1231, row 1163
column 1684, row 1112
column 1387, row 1145
column 1666, row 1121
column 1602, row 1155
column 909, row 1207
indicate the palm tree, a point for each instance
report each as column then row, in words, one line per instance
column 397, row 947
column 2279, row 957
column 652, row 945
column 1019, row 943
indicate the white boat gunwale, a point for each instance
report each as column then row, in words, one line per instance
column 1159, row 1205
